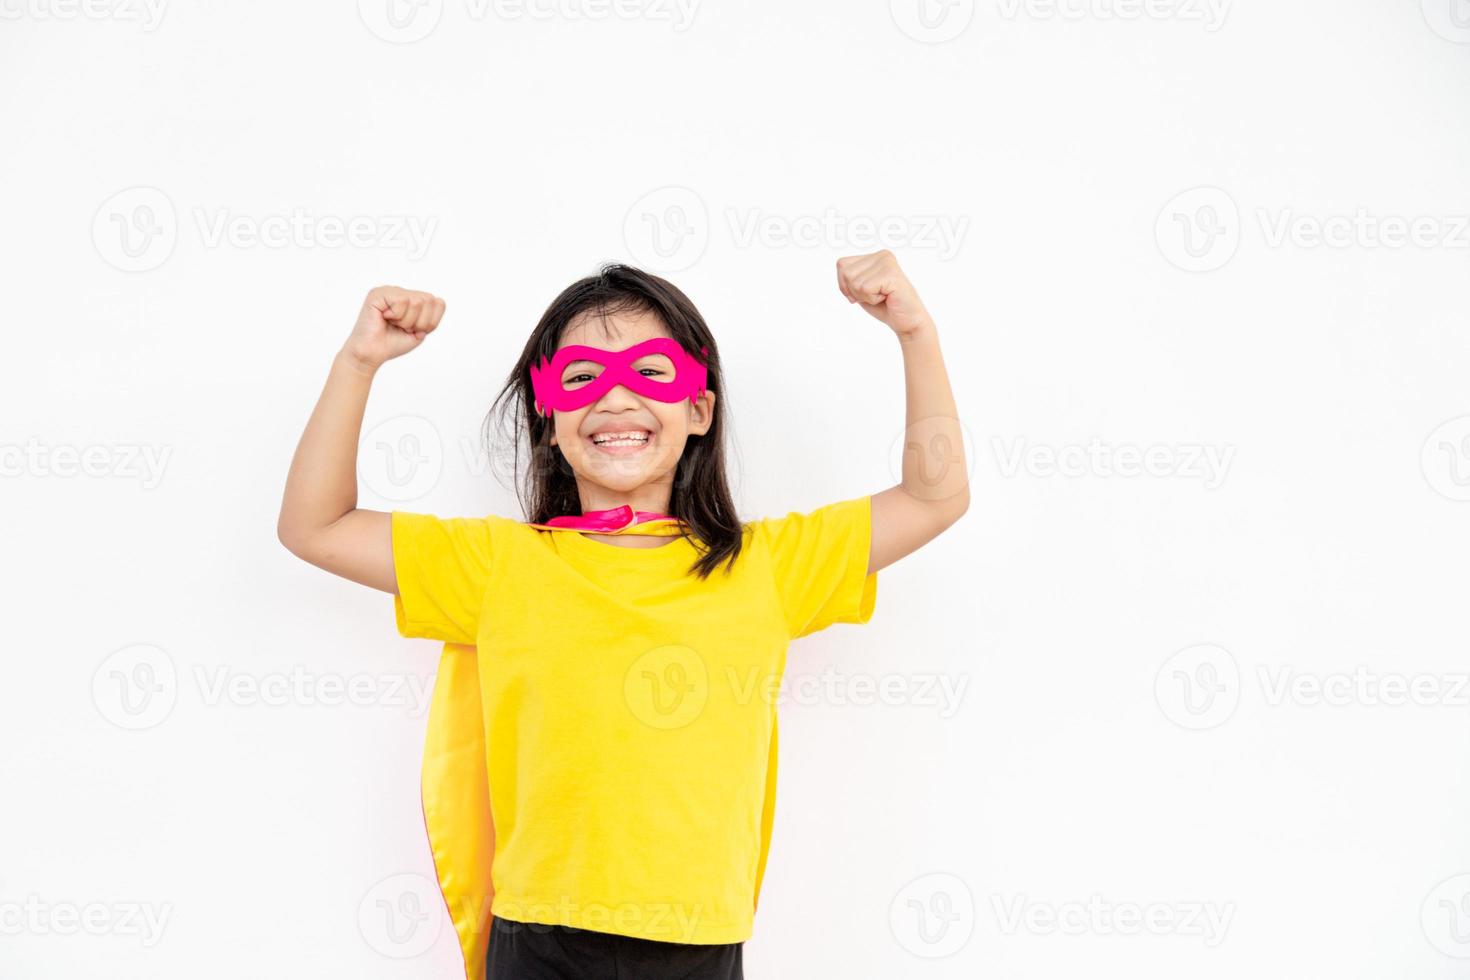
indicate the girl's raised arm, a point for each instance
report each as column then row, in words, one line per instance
column 936, row 486
column 320, row 521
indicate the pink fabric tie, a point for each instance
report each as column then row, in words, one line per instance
column 614, row 520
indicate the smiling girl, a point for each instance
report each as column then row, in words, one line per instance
column 600, row 770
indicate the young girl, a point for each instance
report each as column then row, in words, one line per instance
column 601, row 756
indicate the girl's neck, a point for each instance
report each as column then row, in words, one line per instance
column 653, row 499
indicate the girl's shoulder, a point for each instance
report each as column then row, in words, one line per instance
column 842, row 514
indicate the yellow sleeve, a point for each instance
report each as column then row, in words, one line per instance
column 820, row 563
column 443, row 568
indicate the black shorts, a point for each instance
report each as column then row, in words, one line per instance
column 532, row 951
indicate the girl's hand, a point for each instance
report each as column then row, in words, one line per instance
column 876, row 282
column 393, row 321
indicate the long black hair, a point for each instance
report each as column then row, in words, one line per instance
column 548, row 488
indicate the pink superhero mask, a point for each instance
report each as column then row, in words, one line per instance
column 689, row 379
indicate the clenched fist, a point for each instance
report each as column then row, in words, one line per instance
column 393, row 321
column 877, row 283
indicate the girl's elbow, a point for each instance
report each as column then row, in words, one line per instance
column 293, row 539
column 956, row 506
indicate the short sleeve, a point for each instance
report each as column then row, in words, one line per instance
column 820, row 563
column 443, row 568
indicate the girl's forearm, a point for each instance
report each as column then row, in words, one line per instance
column 935, row 488
column 320, row 520
column 934, row 468
column 321, row 486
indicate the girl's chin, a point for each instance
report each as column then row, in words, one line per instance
column 619, row 472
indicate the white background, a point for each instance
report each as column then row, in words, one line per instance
column 1085, row 303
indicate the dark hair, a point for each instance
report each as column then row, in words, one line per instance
column 701, row 494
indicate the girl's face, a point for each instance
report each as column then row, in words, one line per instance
column 624, row 441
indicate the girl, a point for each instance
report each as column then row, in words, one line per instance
column 599, row 779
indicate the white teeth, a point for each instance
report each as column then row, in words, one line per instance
column 620, row 438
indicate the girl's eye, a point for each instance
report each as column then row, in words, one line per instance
column 577, row 379
column 657, row 364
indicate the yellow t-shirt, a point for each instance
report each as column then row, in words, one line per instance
column 629, row 706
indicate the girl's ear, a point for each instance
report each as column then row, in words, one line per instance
column 702, row 413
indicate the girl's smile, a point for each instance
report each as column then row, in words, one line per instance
column 623, row 442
